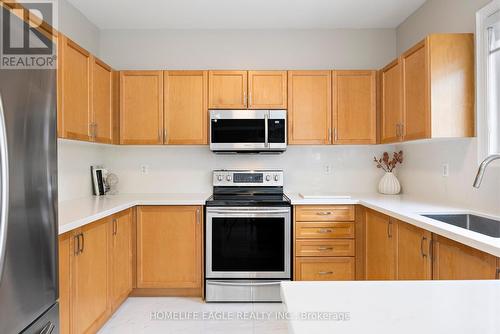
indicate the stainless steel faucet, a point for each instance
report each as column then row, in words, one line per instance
column 482, row 169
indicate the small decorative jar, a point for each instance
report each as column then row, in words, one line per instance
column 389, row 184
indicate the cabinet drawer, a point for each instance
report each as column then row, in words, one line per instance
column 318, row 230
column 326, row 247
column 324, row 213
column 324, row 269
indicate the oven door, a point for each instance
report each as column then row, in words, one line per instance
column 248, row 242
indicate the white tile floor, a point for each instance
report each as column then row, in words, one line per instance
column 134, row 317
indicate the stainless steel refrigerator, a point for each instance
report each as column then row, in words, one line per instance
column 28, row 202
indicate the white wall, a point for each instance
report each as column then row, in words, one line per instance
column 188, row 169
column 421, row 172
column 77, row 27
column 447, row 16
column 247, row 49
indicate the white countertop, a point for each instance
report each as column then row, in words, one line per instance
column 82, row 211
column 79, row 212
column 394, row 307
column 409, row 210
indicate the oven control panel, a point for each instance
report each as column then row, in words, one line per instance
column 248, row 178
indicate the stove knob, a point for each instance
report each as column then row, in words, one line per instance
column 276, row 177
column 229, row 178
column 268, row 177
column 219, row 178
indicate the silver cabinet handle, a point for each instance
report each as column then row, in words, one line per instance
column 160, row 139
column 324, row 213
column 250, row 98
column 324, row 249
column 76, row 244
column 424, row 239
column 198, row 216
column 4, row 172
column 324, row 230
column 165, row 138
column 115, row 226
column 335, row 135
column 325, row 272
column 329, row 135
column 95, row 131
column 245, row 98
column 82, row 246
column 389, row 229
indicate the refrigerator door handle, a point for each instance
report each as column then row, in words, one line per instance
column 4, row 187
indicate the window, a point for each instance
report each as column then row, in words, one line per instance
column 488, row 79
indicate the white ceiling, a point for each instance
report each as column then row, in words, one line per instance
column 246, row 14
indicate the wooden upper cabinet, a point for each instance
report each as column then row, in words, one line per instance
column 309, row 107
column 75, row 114
column 267, row 89
column 438, row 87
column 455, row 261
column 391, row 117
column 227, row 89
column 186, row 113
column 102, row 102
column 380, row 247
column 89, row 275
column 413, row 253
column 416, row 97
column 121, row 257
column 141, row 107
column 354, row 107
column 169, row 251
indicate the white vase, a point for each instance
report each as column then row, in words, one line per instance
column 389, row 184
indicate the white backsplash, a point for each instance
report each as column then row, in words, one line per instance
column 187, row 169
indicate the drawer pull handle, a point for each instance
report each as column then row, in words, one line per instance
column 325, row 248
column 325, row 230
column 324, row 213
column 325, row 272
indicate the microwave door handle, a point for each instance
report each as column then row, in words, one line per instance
column 266, row 129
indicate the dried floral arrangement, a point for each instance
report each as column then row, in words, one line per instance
column 387, row 164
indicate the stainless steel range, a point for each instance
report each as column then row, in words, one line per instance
column 247, row 237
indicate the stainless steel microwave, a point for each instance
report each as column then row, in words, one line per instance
column 248, row 131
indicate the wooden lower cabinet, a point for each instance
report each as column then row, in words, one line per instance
column 89, row 277
column 120, row 257
column 324, row 269
column 169, row 247
column 455, row 261
column 380, row 246
column 413, row 253
column 95, row 272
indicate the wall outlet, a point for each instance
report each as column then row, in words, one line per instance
column 445, row 170
column 328, row 169
column 144, row 169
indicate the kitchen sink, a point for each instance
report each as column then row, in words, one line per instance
column 486, row 226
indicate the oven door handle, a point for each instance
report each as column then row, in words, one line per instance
column 244, row 283
column 246, row 212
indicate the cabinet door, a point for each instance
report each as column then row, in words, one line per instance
column 64, row 283
column 89, row 274
column 354, row 107
column 455, row 261
column 141, row 107
column 102, row 101
column 76, row 115
column 414, row 253
column 416, row 90
column 380, row 250
column 267, row 90
column 227, row 89
column 169, row 247
column 186, row 114
column 309, row 107
column 121, row 257
column 391, row 103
